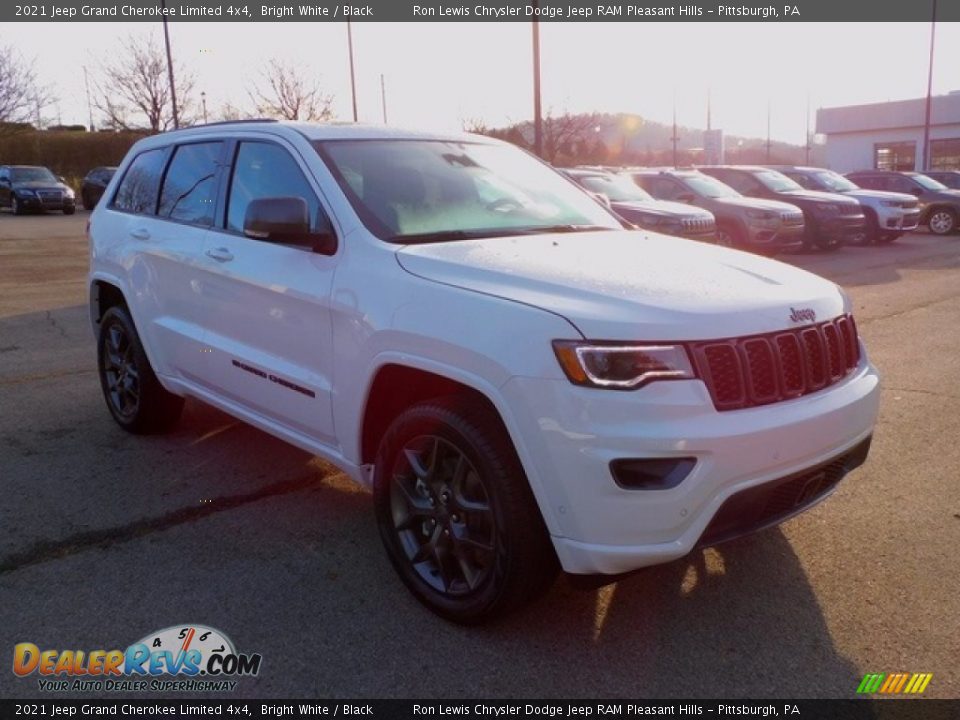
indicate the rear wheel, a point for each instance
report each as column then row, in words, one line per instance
column 135, row 398
column 456, row 515
column 943, row 221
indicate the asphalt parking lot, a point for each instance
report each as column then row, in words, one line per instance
column 107, row 537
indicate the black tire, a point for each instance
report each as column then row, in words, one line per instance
column 15, row 207
column 887, row 238
column 69, row 210
column 483, row 547
column 942, row 221
column 134, row 396
column 871, row 234
column 85, row 199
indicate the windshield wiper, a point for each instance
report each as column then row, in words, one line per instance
column 567, row 228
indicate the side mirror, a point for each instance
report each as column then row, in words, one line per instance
column 285, row 220
column 61, row 179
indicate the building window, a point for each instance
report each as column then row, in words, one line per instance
column 895, row 156
column 945, row 154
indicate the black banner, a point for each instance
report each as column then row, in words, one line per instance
column 640, row 11
column 866, row 709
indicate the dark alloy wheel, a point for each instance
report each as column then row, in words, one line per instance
column 456, row 514
column 134, row 396
column 442, row 515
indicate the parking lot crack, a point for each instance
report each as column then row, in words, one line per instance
column 48, row 550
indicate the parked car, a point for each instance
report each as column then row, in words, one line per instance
column 94, row 184
column 889, row 215
column 640, row 208
column 830, row 220
column 765, row 226
column 525, row 384
column 950, row 178
column 939, row 205
column 25, row 188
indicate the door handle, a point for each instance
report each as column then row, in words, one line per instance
column 220, row 254
column 140, row 234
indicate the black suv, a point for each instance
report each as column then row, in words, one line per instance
column 950, row 178
column 94, row 185
column 636, row 205
column 830, row 219
column 27, row 187
column 940, row 206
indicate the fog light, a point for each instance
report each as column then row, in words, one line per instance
column 651, row 473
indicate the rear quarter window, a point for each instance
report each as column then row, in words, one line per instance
column 141, row 183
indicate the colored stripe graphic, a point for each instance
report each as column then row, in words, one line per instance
column 894, row 683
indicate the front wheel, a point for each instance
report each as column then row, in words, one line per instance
column 456, row 515
column 15, row 207
column 943, row 221
column 69, row 210
column 135, row 398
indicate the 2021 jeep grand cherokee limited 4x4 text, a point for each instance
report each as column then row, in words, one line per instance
column 524, row 384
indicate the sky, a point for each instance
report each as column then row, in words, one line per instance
column 437, row 75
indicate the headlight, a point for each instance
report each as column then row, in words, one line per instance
column 25, row 192
column 761, row 215
column 890, row 203
column 621, row 366
column 68, row 193
column 826, row 209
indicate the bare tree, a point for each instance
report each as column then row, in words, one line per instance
column 285, row 93
column 562, row 133
column 22, row 98
column 229, row 111
column 135, row 90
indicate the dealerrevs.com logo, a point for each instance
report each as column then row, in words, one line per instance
column 179, row 658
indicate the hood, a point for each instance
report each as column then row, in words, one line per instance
column 660, row 208
column 880, row 195
column 631, row 285
column 817, row 196
column 757, row 204
column 950, row 195
column 39, row 185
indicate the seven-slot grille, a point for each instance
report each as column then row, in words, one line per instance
column 698, row 225
column 763, row 369
column 50, row 195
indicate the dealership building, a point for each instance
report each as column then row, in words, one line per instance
column 889, row 136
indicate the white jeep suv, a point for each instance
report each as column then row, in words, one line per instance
column 525, row 384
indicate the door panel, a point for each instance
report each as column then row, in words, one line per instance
column 267, row 305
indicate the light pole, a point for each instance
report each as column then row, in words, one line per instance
column 674, row 137
column 173, row 89
column 86, row 82
column 353, row 81
column 383, row 97
column 537, row 108
column 203, row 100
column 926, row 121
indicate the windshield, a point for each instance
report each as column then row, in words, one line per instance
column 432, row 190
column 778, row 182
column 929, row 183
column 709, row 187
column 835, row 182
column 618, row 189
column 33, row 174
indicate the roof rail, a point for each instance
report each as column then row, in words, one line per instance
column 235, row 122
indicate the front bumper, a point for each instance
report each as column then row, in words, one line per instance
column 570, row 435
column 32, row 202
column 783, row 235
column 842, row 227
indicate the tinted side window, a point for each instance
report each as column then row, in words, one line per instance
column 871, row 182
column 264, row 170
column 898, row 183
column 741, row 182
column 801, row 180
column 138, row 190
column 190, row 186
